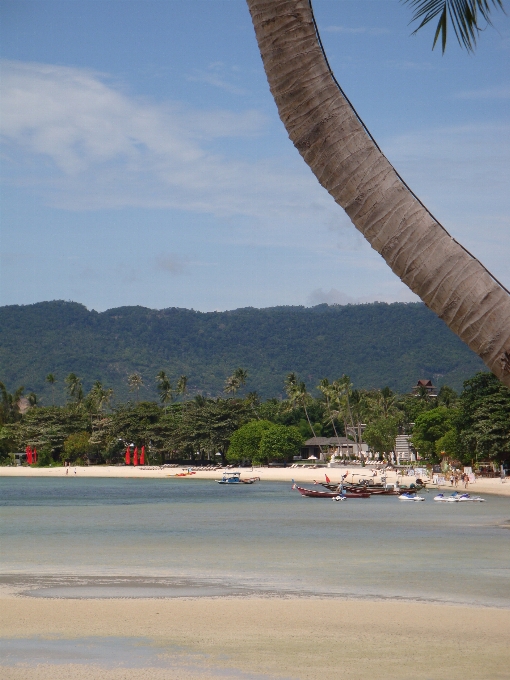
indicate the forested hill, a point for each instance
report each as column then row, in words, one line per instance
column 375, row 344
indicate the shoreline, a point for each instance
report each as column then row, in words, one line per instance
column 121, row 587
column 294, row 638
column 300, row 475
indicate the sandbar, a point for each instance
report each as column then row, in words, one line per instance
column 298, row 638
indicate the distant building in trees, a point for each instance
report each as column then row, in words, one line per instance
column 425, row 386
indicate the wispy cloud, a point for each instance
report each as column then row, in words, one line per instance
column 82, row 144
column 349, row 30
column 218, row 75
column 501, row 92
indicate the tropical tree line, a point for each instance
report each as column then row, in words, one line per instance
column 90, row 428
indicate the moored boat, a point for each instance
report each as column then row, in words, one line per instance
column 230, row 478
column 311, row 493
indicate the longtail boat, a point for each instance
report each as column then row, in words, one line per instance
column 311, row 493
column 373, row 490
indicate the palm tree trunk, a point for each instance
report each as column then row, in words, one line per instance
column 331, row 417
column 348, row 163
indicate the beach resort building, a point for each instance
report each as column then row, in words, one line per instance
column 339, row 446
column 404, row 450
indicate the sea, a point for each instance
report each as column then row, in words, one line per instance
column 96, row 538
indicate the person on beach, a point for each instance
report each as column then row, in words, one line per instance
column 466, row 480
column 451, row 480
column 67, row 470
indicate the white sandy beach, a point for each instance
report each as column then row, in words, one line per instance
column 301, row 474
column 305, row 639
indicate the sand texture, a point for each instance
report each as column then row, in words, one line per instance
column 303, row 639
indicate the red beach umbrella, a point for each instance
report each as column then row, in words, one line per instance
column 135, row 456
column 142, row 456
column 128, row 457
column 34, row 455
column 28, row 451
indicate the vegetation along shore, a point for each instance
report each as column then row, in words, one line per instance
column 343, row 424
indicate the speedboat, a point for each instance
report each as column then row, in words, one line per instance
column 230, row 478
column 410, row 497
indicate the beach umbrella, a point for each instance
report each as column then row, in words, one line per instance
column 34, row 455
column 28, row 451
column 128, row 457
column 135, row 456
column 142, row 456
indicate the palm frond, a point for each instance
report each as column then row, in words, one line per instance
column 463, row 15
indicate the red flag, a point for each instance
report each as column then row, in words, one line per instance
column 135, row 456
column 128, row 457
column 142, row 456
column 328, row 480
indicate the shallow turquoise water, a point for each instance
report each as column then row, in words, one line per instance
column 180, row 537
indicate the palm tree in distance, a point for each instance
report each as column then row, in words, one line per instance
column 341, row 394
column 74, row 388
column 334, row 142
column 135, row 381
column 166, row 394
column 326, row 389
column 98, row 398
column 298, row 396
column 234, row 382
column 10, row 404
column 182, row 384
column 50, row 378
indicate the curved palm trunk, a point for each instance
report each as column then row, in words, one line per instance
column 334, row 143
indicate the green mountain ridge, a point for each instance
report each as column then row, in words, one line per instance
column 376, row 344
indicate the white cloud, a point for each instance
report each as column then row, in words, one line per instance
column 83, row 143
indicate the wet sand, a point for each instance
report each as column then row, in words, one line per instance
column 304, row 639
column 301, row 474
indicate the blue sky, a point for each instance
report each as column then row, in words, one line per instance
column 144, row 162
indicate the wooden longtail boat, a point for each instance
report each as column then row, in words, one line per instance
column 372, row 490
column 311, row 493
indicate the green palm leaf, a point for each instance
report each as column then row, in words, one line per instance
column 464, row 16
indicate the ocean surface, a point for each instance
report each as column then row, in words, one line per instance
column 71, row 537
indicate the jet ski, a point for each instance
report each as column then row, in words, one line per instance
column 410, row 497
column 474, row 499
